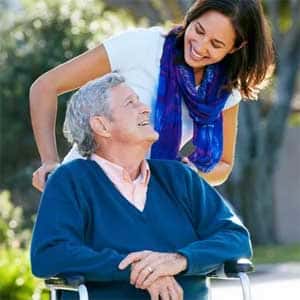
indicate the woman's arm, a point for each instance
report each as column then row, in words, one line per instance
column 43, row 102
column 223, row 169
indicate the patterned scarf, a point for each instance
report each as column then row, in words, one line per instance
column 205, row 104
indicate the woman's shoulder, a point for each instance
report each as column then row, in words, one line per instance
column 233, row 99
column 137, row 35
column 129, row 48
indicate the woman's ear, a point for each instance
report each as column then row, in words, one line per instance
column 100, row 126
column 238, row 48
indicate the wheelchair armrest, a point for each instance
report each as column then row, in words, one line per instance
column 231, row 269
column 242, row 265
column 66, row 282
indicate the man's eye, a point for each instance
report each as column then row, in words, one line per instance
column 130, row 102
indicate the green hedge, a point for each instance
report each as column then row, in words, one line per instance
column 17, row 282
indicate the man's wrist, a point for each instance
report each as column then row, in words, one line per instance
column 182, row 261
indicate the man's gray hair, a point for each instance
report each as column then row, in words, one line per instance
column 90, row 100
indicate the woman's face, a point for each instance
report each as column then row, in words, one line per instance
column 208, row 39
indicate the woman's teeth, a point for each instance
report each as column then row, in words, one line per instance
column 195, row 54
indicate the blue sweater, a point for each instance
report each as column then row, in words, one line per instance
column 85, row 226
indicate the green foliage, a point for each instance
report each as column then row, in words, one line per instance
column 12, row 235
column 276, row 254
column 43, row 35
column 17, row 283
column 294, row 119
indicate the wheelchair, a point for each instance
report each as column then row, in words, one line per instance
column 235, row 270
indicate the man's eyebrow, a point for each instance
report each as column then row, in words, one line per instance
column 215, row 40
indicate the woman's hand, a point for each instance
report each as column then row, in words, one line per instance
column 148, row 266
column 165, row 288
column 186, row 161
column 39, row 176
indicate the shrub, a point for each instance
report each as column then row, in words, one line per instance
column 16, row 282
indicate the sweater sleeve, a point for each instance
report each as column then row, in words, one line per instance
column 222, row 236
column 58, row 245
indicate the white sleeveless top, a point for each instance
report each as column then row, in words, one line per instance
column 136, row 54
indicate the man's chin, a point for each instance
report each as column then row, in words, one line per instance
column 155, row 136
column 152, row 138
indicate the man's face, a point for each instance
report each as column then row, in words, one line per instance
column 130, row 122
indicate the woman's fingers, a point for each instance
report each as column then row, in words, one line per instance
column 39, row 176
column 186, row 160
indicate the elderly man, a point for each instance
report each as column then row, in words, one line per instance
column 135, row 229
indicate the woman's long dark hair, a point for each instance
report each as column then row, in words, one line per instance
column 249, row 66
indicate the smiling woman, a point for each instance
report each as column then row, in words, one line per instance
column 207, row 40
column 192, row 78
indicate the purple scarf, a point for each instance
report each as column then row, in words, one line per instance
column 205, row 104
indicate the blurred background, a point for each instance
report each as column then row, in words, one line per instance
column 264, row 187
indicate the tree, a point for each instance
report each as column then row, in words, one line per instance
column 261, row 126
column 49, row 32
column 44, row 34
column 261, row 133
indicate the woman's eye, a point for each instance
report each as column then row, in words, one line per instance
column 216, row 46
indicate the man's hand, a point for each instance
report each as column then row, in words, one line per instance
column 165, row 288
column 148, row 266
column 39, row 176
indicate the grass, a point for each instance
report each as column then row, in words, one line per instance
column 276, row 254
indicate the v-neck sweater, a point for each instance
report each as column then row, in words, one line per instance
column 85, row 226
column 135, row 191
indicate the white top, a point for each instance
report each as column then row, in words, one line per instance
column 136, row 54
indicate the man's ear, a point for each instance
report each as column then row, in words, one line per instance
column 238, row 48
column 100, row 126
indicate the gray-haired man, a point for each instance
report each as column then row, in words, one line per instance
column 127, row 224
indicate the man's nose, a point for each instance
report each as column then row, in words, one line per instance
column 144, row 108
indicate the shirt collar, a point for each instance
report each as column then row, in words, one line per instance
column 120, row 172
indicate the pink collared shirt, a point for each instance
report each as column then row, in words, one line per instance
column 134, row 191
